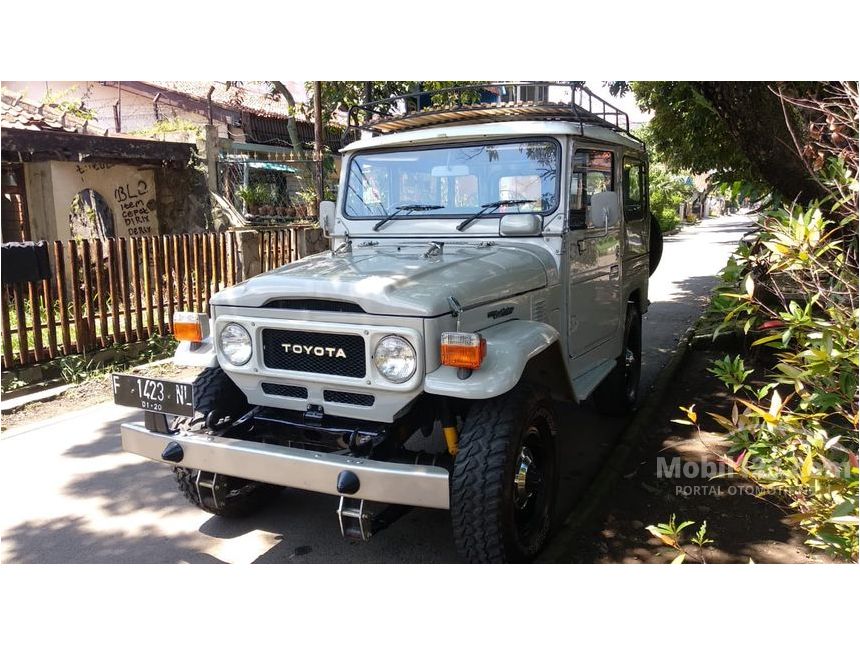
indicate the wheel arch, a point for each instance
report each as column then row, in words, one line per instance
column 515, row 349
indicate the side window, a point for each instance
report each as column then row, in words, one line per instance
column 592, row 173
column 633, row 178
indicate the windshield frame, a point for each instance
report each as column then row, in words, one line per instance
column 436, row 215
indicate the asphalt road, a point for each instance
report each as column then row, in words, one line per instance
column 72, row 495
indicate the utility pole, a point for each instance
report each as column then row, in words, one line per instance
column 318, row 140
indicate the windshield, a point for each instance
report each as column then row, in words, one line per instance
column 510, row 177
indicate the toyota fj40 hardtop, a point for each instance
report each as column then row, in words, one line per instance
column 490, row 256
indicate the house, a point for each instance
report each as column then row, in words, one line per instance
column 236, row 133
column 65, row 177
column 246, row 112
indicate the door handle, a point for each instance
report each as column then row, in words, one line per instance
column 613, row 271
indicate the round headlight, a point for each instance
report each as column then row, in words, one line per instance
column 235, row 343
column 394, row 357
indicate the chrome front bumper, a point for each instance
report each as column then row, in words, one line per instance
column 380, row 481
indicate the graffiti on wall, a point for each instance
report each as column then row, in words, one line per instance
column 136, row 207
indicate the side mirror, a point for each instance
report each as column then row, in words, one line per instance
column 520, row 224
column 327, row 211
column 602, row 212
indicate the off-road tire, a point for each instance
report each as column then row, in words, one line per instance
column 487, row 526
column 213, row 390
column 618, row 394
column 655, row 245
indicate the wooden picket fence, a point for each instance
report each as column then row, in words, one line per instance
column 279, row 247
column 111, row 291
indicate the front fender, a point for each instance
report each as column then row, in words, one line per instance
column 196, row 354
column 510, row 346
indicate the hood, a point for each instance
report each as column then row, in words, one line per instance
column 392, row 280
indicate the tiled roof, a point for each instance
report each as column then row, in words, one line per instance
column 23, row 114
column 250, row 96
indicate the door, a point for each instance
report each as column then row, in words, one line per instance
column 594, row 251
column 634, row 182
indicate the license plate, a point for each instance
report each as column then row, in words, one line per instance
column 154, row 395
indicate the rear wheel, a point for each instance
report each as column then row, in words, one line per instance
column 618, row 393
column 215, row 493
column 504, row 480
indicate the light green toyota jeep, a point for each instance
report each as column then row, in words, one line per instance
column 491, row 249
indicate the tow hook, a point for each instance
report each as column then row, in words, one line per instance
column 357, row 522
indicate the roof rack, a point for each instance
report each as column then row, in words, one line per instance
column 543, row 101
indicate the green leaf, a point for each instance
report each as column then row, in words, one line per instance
column 806, row 469
column 766, row 339
column 679, row 559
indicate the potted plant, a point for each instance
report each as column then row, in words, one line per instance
column 252, row 196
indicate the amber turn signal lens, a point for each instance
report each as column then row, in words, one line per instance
column 463, row 350
column 187, row 326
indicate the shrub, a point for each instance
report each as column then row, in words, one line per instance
column 794, row 291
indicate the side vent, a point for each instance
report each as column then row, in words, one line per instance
column 538, row 310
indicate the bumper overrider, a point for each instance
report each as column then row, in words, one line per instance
column 334, row 474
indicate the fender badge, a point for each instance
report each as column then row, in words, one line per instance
column 500, row 313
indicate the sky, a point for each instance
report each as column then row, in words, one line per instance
column 627, row 103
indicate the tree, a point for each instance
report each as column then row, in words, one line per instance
column 742, row 131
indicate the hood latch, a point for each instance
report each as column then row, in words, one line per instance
column 435, row 250
column 456, row 309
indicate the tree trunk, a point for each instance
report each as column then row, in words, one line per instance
column 292, row 128
column 754, row 117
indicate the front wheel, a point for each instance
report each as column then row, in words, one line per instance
column 504, row 480
column 215, row 493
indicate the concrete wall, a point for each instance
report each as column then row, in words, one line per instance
column 129, row 192
column 142, row 200
column 40, row 201
column 183, row 204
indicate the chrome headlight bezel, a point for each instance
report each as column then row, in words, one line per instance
column 395, row 348
column 240, row 343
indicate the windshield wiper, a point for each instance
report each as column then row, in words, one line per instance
column 406, row 209
column 491, row 207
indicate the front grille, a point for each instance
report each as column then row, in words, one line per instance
column 317, row 353
column 350, row 398
column 311, row 304
column 292, row 391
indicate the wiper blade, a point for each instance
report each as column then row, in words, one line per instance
column 490, row 207
column 405, row 209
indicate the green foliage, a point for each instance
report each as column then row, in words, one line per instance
column 795, row 291
column 667, row 192
column 254, row 194
column 76, row 107
column 671, row 534
column 687, row 133
column 171, row 125
column 158, row 347
column 731, row 371
column 341, row 95
column 76, row 368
